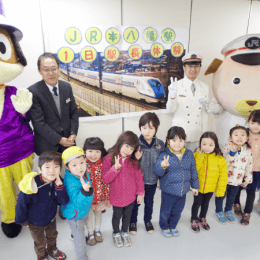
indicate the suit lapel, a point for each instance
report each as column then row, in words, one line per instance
column 46, row 92
column 62, row 96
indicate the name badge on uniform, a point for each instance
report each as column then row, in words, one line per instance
column 202, row 100
column 68, row 100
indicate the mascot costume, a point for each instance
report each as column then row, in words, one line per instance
column 235, row 85
column 16, row 136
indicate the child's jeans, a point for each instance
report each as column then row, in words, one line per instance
column 149, row 191
column 78, row 231
column 171, row 209
column 231, row 193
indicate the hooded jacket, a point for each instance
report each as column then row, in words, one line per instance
column 80, row 200
column 177, row 178
column 125, row 183
column 212, row 173
column 39, row 208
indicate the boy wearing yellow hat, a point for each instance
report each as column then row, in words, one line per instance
column 77, row 183
column 37, row 204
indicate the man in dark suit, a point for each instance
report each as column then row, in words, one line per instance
column 54, row 112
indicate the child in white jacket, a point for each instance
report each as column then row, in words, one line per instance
column 239, row 161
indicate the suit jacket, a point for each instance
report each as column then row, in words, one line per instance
column 49, row 126
column 189, row 113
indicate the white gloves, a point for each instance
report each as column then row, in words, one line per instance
column 173, row 88
column 22, row 101
column 213, row 107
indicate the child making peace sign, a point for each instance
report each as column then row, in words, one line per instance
column 176, row 166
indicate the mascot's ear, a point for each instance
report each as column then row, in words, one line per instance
column 19, row 51
column 213, row 67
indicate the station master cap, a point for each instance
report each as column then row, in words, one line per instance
column 192, row 58
column 244, row 49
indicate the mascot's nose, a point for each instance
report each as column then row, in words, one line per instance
column 251, row 103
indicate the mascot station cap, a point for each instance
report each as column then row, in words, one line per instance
column 244, row 49
column 71, row 153
column 192, row 58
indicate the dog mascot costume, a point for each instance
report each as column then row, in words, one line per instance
column 16, row 136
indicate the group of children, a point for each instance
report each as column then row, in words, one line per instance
column 129, row 172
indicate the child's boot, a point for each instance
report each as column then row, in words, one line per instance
column 204, row 223
column 126, row 238
column 117, row 239
column 245, row 219
column 195, row 225
column 237, row 209
column 57, row 254
column 133, row 229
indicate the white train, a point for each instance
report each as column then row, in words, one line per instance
column 138, row 87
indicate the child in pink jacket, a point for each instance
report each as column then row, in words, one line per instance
column 122, row 171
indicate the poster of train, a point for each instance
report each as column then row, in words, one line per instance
column 119, row 71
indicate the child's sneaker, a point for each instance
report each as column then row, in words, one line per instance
column 245, row 219
column 149, row 227
column 71, row 237
column 195, row 225
column 117, row 239
column 229, row 216
column 237, row 209
column 98, row 236
column 91, row 239
column 175, row 232
column 220, row 217
column 57, row 254
column 166, row 232
column 126, row 238
column 133, row 229
column 204, row 223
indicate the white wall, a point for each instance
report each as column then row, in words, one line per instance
column 213, row 25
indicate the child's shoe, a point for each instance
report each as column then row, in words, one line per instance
column 237, row 209
column 91, row 239
column 126, row 238
column 166, row 232
column 229, row 216
column 204, row 223
column 175, row 232
column 57, row 254
column 98, row 236
column 117, row 239
column 133, row 229
column 71, row 237
column 149, row 227
column 245, row 219
column 220, row 217
column 195, row 225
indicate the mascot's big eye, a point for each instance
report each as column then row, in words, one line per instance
column 5, row 48
column 236, row 81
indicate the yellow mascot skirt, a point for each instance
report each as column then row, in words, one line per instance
column 7, row 188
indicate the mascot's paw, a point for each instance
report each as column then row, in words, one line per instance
column 11, row 230
column 22, row 101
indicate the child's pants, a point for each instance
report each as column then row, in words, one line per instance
column 40, row 240
column 8, row 175
column 171, row 209
column 231, row 193
column 149, row 191
column 250, row 198
column 202, row 200
column 118, row 212
column 98, row 217
column 78, row 231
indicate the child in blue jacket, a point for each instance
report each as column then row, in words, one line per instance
column 77, row 183
column 37, row 204
column 177, row 169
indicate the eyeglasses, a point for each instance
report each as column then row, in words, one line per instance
column 50, row 70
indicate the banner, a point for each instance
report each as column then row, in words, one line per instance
column 118, row 71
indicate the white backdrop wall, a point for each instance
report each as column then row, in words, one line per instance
column 212, row 25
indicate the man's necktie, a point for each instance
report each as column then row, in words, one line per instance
column 193, row 88
column 54, row 89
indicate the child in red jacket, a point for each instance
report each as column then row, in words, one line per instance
column 94, row 150
column 122, row 170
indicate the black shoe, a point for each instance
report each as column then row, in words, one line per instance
column 133, row 229
column 11, row 230
column 149, row 227
column 72, row 238
column 104, row 211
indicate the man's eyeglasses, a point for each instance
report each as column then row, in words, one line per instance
column 49, row 70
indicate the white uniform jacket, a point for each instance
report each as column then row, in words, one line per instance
column 189, row 114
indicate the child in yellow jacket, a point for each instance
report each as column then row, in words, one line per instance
column 212, row 174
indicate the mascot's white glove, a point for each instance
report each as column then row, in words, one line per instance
column 173, row 88
column 213, row 107
column 22, row 101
